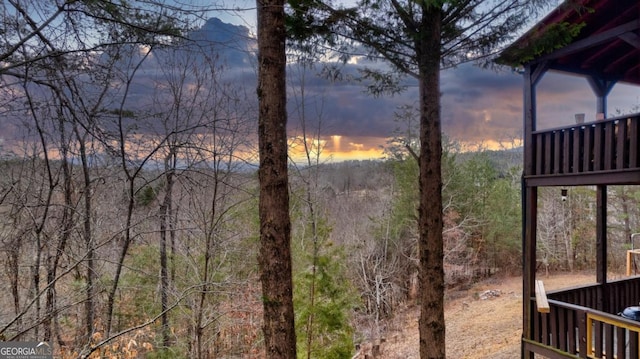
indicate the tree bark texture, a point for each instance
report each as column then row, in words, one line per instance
column 275, row 226
column 430, row 224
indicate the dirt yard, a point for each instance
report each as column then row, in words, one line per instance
column 483, row 321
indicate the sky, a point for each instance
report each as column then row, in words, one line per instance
column 480, row 108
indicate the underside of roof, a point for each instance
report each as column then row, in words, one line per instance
column 607, row 46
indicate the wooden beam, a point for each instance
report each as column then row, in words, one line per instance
column 631, row 38
column 546, row 350
column 626, row 176
column 542, row 303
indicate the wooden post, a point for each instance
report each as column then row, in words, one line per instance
column 601, row 243
column 529, row 210
column 532, row 75
column 601, row 88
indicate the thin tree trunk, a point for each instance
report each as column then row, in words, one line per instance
column 275, row 225
column 13, row 267
column 567, row 231
column 210, row 245
column 111, row 297
column 165, row 226
column 626, row 213
column 65, row 230
column 131, row 176
column 89, row 306
column 35, row 281
column 39, row 227
column 431, row 271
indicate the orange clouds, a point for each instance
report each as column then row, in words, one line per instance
column 339, row 148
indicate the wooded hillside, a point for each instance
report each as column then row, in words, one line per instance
column 108, row 259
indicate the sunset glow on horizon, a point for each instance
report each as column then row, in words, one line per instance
column 337, row 148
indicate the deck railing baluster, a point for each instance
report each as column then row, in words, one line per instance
column 633, row 345
column 622, row 144
column 537, row 327
column 582, row 332
column 621, row 342
column 572, row 347
column 597, row 337
column 567, row 149
column 588, row 149
column 562, row 328
column 578, row 150
column 598, row 147
column 544, row 328
column 633, row 143
column 609, row 145
column 557, row 152
column 553, row 328
column 539, row 154
column 548, row 153
column 608, row 340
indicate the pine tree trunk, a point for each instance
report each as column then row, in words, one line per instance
column 275, row 225
column 431, row 271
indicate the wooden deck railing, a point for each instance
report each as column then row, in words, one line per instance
column 611, row 297
column 578, row 327
column 567, row 329
column 595, row 147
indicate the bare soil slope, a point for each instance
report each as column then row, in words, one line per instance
column 483, row 321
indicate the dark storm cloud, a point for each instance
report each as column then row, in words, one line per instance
column 477, row 104
column 354, row 113
column 481, row 105
column 346, row 109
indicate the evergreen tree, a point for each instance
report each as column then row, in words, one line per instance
column 322, row 297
